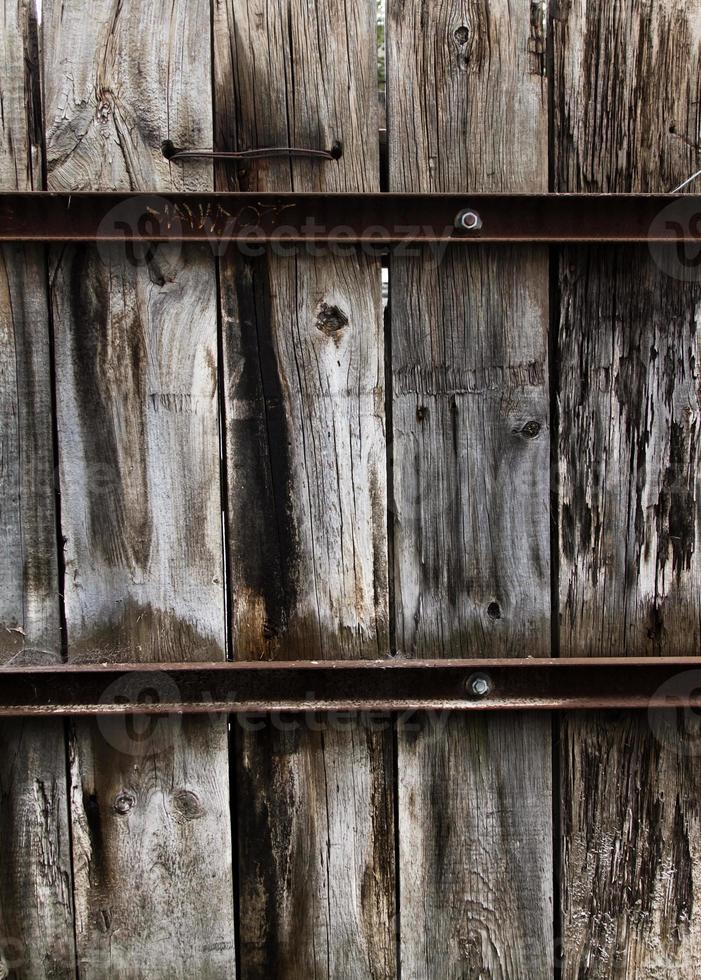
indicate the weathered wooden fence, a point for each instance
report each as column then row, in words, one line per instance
column 241, row 456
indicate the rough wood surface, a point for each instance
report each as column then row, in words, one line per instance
column 316, row 849
column 36, row 902
column 467, row 109
column 305, row 450
column 469, row 361
column 136, row 371
column 627, row 119
column 303, row 337
column 632, row 847
column 475, row 871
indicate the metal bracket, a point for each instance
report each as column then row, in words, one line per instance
column 376, row 221
column 377, row 685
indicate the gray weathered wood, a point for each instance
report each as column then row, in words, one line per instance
column 305, row 378
column 467, row 110
column 630, row 870
column 137, row 399
column 475, row 863
column 305, row 450
column 36, row 902
column 627, row 119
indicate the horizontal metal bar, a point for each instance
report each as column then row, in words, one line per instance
column 376, row 220
column 396, row 684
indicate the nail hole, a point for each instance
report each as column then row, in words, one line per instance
column 169, row 149
column 337, row 149
column 494, row 610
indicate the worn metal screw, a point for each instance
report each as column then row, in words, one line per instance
column 124, row 801
column 479, row 685
column 468, row 220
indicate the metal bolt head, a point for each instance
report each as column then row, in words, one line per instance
column 468, row 220
column 124, row 801
column 479, row 685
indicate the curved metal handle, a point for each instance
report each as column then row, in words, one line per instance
column 172, row 152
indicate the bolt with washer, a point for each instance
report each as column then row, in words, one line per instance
column 468, row 220
column 479, row 685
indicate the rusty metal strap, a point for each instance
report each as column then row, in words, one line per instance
column 397, row 684
column 376, row 220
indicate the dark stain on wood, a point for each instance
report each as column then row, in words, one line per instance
column 109, row 359
column 91, row 808
column 627, row 853
column 636, row 128
column 676, row 514
column 141, row 632
column 628, row 449
column 626, row 117
column 265, row 836
column 264, row 536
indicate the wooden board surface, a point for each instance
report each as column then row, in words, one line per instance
column 627, row 119
column 305, row 451
column 137, row 402
column 467, row 110
column 303, row 344
column 36, row 900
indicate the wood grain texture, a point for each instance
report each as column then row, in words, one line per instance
column 303, row 344
column 469, row 362
column 467, row 110
column 627, row 119
column 630, row 872
column 136, row 369
column 305, row 450
column 472, row 820
column 36, row 901
column 316, row 848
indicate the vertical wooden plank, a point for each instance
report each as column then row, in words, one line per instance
column 136, row 368
column 467, row 110
column 627, row 108
column 305, row 450
column 36, row 903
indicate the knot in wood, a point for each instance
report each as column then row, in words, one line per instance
column 494, row 610
column 462, row 34
column 330, row 320
column 531, row 429
column 186, row 804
